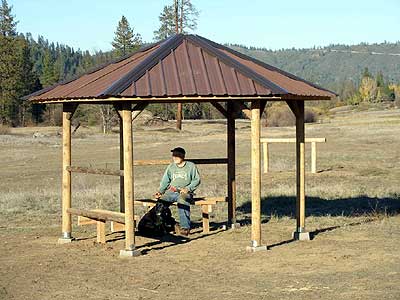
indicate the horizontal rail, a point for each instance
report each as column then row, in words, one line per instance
column 154, row 162
column 95, row 171
column 103, row 215
column 291, row 140
column 198, row 161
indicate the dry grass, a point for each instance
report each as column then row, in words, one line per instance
column 4, row 130
column 353, row 207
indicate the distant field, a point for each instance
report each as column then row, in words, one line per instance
column 353, row 206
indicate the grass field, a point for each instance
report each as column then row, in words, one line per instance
column 353, row 206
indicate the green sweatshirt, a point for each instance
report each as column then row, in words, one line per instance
column 180, row 177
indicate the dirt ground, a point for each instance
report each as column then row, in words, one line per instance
column 353, row 207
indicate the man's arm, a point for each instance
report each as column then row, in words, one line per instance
column 195, row 176
column 165, row 181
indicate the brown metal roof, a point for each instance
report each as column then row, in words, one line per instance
column 184, row 65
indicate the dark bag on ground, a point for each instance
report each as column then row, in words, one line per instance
column 158, row 221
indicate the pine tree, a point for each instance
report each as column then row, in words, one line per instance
column 180, row 17
column 125, row 40
column 8, row 26
column 49, row 76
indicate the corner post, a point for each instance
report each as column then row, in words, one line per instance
column 231, row 166
column 255, row 179
column 128, row 182
column 68, row 111
column 121, row 165
column 300, row 233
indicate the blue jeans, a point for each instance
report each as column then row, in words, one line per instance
column 183, row 206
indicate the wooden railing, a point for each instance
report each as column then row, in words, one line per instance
column 313, row 141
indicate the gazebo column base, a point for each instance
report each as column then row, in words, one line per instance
column 256, row 248
column 129, row 253
column 65, row 239
column 235, row 225
column 301, row 236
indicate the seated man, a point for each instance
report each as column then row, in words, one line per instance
column 180, row 180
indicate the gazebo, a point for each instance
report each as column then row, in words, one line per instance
column 186, row 69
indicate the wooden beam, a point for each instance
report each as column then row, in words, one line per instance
column 262, row 107
column 220, row 108
column 255, row 175
column 198, row 161
column 99, row 215
column 231, row 150
column 293, row 107
column 300, row 170
column 101, row 232
column 292, row 140
column 128, row 177
column 138, row 108
column 68, row 111
column 240, row 106
column 179, row 116
column 206, row 218
column 85, row 170
column 313, row 157
column 121, row 164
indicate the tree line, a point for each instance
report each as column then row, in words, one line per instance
column 27, row 65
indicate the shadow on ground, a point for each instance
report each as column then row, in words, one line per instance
column 281, row 206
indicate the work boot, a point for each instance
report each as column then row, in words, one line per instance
column 184, row 232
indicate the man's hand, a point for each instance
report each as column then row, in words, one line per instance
column 157, row 195
column 184, row 191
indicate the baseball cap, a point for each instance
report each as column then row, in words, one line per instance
column 178, row 152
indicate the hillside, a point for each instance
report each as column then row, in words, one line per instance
column 330, row 66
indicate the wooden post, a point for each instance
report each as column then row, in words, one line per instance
column 121, row 166
column 206, row 218
column 101, row 232
column 231, row 166
column 255, row 178
column 128, row 182
column 68, row 111
column 179, row 116
column 265, row 157
column 300, row 232
column 313, row 157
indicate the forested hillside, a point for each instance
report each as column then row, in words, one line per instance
column 333, row 65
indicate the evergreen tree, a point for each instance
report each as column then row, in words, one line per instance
column 125, row 40
column 8, row 26
column 180, row 17
column 49, row 75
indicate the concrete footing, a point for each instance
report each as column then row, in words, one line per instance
column 63, row 240
column 129, row 253
column 256, row 248
column 301, row 236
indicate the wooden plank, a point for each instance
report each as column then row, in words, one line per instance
column 198, row 161
column 116, row 227
column 231, row 150
column 292, row 140
column 314, row 157
column 98, row 215
column 220, row 108
column 98, row 171
column 82, row 221
column 128, row 177
column 101, row 232
column 255, row 175
column 66, row 174
column 206, row 218
column 240, row 106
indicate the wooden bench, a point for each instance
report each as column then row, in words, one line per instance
column 100, row 217
column 206, row 204
column 117, row 219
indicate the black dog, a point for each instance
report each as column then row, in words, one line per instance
column 158, row 221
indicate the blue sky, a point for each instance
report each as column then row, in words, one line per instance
column 90, row 24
